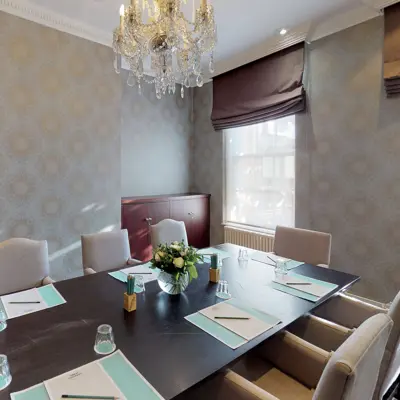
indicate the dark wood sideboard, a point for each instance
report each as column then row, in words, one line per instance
column 138, row 213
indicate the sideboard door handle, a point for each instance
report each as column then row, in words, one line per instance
column 148, row 220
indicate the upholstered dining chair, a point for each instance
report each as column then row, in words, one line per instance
column 168, row 231
column 24, row 264
column 311, row 247
column 337, row 318
column 106, row 250
column 289, row 368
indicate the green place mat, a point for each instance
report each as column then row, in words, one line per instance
column 270, row 258
column 223, row 334
column 299, row 293
column 212, row 250
column 120, row 276
column 131, row 383
column 51, row 296
column 292, row 264
column 37, row 392
column 216, row 330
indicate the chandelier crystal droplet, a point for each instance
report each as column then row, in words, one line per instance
column 170, row 44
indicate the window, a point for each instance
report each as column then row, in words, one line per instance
column 260, row 174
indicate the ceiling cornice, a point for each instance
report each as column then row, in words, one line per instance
column 270, row 46
column 25, row 9
column 380, row 4
column 309, row 32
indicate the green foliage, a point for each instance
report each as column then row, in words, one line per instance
column 176, row 259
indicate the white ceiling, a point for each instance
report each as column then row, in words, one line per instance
column 247, row 29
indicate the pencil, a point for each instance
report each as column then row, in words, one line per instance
column 297, row 283
column 241, row 318
column 24, row 302
column 140, row 273
column 78, row 396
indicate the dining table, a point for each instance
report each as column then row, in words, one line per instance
column 171, row 353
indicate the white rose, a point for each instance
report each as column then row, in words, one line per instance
column 175, row 247
column 176, row 242
column 179, row 262
column 159, row 255
column 183, row 253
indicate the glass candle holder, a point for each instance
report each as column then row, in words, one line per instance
column 5, row 374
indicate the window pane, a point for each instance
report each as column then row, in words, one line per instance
column 260, row 174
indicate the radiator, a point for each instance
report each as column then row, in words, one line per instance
column 253, row 240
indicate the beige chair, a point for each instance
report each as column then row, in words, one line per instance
column 344, row 313
column 289, row 368
column 310, row 247
column 24, row 264
column 106, row 250
column 168, row 231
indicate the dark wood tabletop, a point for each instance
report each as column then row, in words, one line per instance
column 171, row 353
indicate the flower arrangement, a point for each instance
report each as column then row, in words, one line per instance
column 176, row 259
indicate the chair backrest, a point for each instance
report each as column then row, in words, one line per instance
column 168, row 231
column 390, row 367
column 24, row 263
column 352, row 371
column 105, row 250
column 310, row 247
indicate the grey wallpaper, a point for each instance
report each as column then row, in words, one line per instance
column 347, row 160
column 61, row 107
column 157, row 140
column 208, row 159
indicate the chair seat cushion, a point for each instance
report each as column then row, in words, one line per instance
column 283, row 386
column 271, row 379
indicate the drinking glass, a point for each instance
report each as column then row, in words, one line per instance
column 243, row 255
column 104, row 343
column 139, row 284
column 223, row 290
column 3, row 320
column 5, row 374
column 280, row 268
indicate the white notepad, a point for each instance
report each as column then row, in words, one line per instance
column 138, row 269
column 311, row 287
column 16, row 310
column 247, row 329
column 89, row 380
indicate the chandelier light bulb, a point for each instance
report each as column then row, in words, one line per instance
column 169, row 45
column 283, row 32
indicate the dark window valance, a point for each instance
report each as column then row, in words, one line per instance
column 392, row 50
column 265, row 89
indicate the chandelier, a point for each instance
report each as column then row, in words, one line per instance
column 169, row 43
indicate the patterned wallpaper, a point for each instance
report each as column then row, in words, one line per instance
column 157, row 140
column 347, row 159
column 61, row 106
column 208, row 159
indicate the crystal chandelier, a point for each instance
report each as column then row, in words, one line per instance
column 173, row 45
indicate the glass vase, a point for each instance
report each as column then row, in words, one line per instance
column 170, row 285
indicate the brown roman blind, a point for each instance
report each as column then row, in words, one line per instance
column 266, row 89
column 391, row 69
